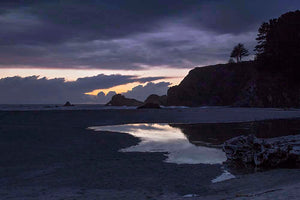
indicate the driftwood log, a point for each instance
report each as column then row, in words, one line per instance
column 268, row 153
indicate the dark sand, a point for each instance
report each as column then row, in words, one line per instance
column 51, row 155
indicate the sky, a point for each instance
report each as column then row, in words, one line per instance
column 86, row 51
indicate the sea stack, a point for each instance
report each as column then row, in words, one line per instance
column 67, row 104
column 121, row 100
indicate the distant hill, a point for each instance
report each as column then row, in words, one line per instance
column 234, row 84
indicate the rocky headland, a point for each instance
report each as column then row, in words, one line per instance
column 234, row 84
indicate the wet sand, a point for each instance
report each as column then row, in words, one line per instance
column 52, row 155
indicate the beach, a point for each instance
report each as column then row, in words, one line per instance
column 51, row 154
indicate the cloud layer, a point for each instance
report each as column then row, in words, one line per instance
column 29, row 90
column 141, row 92
column 118, row 34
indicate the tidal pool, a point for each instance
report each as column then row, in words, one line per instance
column 168, row 139
column 199, row 143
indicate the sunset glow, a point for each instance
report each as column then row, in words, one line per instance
column 175, row 76
column 118, row 89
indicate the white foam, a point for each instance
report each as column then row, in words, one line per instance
column 35, row 107
column 190, row 195
column 223, row 177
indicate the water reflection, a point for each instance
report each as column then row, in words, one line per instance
column 168, row 139
column 215, row 134
column 198, row 143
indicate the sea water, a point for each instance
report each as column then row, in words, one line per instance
column 169, row 140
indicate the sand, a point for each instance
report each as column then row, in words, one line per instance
column 52, row 155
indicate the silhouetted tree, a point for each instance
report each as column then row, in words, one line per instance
column 264, row 49
column 238, row 52
column 278, row 47
column 261, row 39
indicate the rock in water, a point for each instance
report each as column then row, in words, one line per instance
column 266, row 153
column 149, row 105
column 68, row 104
column 121, row 100
column 154, row 98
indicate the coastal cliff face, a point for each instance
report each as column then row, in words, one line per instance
column 235, row 84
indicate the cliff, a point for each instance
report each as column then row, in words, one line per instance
column 234, row 84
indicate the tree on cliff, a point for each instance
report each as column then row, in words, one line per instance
column 278, row 48
column 261, row 39
column 238, row 52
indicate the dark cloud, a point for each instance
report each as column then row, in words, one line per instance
column 182, row 47
column 238, row 16
column 89, row 20
column 141, row 92
column 131, row 34
column 102, row 98
column 42, row 90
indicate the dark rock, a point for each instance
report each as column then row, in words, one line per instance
column 150, row 105
column 121, row 100
column 267, row 153
column 154, row 98
column 238, row 84
column 68, row 104
column 212, row 85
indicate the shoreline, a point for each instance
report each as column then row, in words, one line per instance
column 51, row 155
column 173, row 115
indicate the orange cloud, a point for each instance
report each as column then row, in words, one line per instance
column 118, row 89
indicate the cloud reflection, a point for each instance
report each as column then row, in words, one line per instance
column 164, row 138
